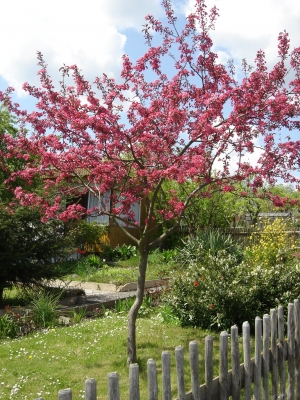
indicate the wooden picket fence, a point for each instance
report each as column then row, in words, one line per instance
column 273, row 373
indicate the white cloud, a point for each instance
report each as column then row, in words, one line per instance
column 244, row 26
column 70, row 31
column 92, row 34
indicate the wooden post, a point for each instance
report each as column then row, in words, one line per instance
column 208, row 366
column 152, row 380
column 134, row 387
column 281, row 354
column 180, row 372
column 113, row 386
column 274, row 354
column 235, row 361
column 257, row 360
column 266, row 355
column 291, row 352
column 223, row 374
column 65, row 394
column 90, row 389
column 166, row 376
column 193, row 350
column 297, row 347
column 247, row 361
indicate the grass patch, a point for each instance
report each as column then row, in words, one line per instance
column 119, row 272
column 39, row 365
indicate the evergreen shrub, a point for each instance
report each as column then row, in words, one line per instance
column 218, row 290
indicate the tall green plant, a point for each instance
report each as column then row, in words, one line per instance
column 195, row 248
column 44, row 308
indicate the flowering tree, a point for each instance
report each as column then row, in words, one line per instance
column 148, row 127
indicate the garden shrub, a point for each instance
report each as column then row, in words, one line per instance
column 123, row 252
column 201, row 295
column 8, row 327
column 30, row 250
column 219, row 293
column 44, row 308
column 90, row 236
column 269, row 244
column 216, row 290
column 195, row 248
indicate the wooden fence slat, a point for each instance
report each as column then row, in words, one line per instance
column 90, row 389
column 152, row 380
column 257, row 360
column 223, row 373
column 235, row 361
column 281, row 354
column 195, row 381
column 274, row 354
column 297, row 347
column 134, row 386
column 291, row 352
column 166, row 376
column 65, row 394
column 179, row 358
column 266, row 355
column 209, row 366
column 113, row 386
column 247, row 361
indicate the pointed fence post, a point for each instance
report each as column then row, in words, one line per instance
column 193, row 350
column 180, row 372
column 223, row 374
column 134, row 386
column 247, row 361
column 291, row 352
column 274, row 354
column 257, row 360
column 166, row 376
column 113, row 386
column 152, row 380
column 65, row 394
column 208, row 366
column 266, row 355
column 297, row 347
column 281, row 354
column 235, row 361
column 90, row 389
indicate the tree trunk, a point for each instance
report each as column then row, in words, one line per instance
column 132, row 316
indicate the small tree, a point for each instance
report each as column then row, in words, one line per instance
column 178, row 128
column 29, row 249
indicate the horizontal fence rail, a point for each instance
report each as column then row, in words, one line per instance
column 273, row 373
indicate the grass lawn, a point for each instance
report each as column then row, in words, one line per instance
column 41, row 364
column 121, row 271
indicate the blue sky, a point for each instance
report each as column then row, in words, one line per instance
column 95, row 33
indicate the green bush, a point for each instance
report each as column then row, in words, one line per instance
column 218, row 292
column 196, row 248
column 123, row 252
column 8, row 327
column 84, row 235
column 14, row 324
column 269, row 245
column 30, row 250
